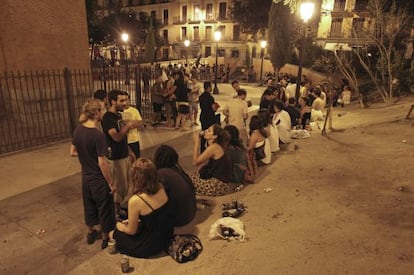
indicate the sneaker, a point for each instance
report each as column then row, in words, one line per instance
column 105, row 243
column 91, row 237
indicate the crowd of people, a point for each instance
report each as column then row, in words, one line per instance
column 138, row 201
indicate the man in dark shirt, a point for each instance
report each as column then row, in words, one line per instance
column 90, row 146
column 293, row 112
column 120, row 155
column 208, row 109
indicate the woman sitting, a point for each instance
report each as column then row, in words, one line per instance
column 178, row 185
column 259, row 144
column 214, row 174
column 271, row 131
column 281, row 121
column 305, row 112
column 149, row 228
column 243, row 170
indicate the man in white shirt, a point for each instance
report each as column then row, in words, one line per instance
column 236, row 113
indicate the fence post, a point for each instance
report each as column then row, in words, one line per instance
column 138, row 96
column 67, row 77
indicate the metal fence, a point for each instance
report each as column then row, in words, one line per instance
column 41, row 107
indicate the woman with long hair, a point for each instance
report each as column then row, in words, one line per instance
column 178, row 185
column 149, row 228
column 259, row 143
column 214, row 166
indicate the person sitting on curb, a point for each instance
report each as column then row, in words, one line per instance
column 213, row 176
column 281, row 121
column 148, row 229
column 259, row 145
column 177, row 184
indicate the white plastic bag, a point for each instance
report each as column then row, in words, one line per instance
column 235, row 224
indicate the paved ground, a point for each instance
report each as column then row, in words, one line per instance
column 41, row 218
column 41, row 192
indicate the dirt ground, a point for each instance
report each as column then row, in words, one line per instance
column 341, row 204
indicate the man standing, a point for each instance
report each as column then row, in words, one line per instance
column 120, row 155
column 208, row 110
column 132, row 114
column 97, row 185
column 236, row 113
column 157, row 99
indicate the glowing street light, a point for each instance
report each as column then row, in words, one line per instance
column 186, row 44
column 306, row 12
column 217, row 37
column 125, row 38
column 263, row 45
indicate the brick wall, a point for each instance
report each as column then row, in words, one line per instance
column 43, row 34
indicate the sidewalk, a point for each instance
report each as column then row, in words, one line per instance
column 24, row 171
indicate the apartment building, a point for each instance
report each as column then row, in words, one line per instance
column 338, row 20
column 195, row 21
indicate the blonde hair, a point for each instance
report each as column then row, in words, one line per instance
column 89, row 110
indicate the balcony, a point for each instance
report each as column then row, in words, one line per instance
column 177, row 20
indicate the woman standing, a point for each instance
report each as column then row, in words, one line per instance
column 149, row 228
column 215, row 168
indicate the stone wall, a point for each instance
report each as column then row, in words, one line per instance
column 43, row 34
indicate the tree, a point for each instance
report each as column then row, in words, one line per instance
column 150, row 44
column 279, row 35
column 379, row 48
column 252, row 15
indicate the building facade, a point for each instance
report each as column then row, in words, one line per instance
column 195, row 21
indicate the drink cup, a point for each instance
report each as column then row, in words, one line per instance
column 125, row 264
column 112, row 246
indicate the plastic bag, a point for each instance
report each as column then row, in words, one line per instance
column 227, row 228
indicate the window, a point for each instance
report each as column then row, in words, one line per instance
column 197, row 13
column 221, row 52
column 222, row 29
column 153, row 14
column 209, row 12
column 236, row 32
column 235, row 53
column 361, row 5
column 183, row 33
column 184, row 13
column 336, row 27
column 165, row 54
column 339, row 5
column 165, row 17
column 208, row 33
column 254, row 52
column 207, row 52
column 165, row 36
column 196, row 33
column 357, row 25
column 223, row 10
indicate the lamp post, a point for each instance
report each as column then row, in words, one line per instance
column 217, row 37
column 263, row 45
column 186, row 44
column 306, row 11
column 125, row 38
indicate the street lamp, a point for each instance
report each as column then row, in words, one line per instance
column 306, row 11
column 125, row 38
column 217, row 37
column 186, row 44
column 263, row 45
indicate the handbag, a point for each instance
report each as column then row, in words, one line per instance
column 184, row 247
column 260, row 152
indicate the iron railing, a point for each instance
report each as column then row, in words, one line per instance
column 41, row 107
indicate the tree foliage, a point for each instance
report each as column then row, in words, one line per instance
column 252, row 15
column 381, row 49
column 279, row 34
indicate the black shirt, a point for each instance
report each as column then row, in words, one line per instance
column 207, row 115
column 119, row 150
column 294, row 114
column 90, row 144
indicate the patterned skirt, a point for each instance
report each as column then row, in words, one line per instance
column 212, row 186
